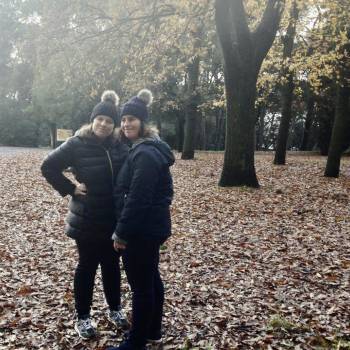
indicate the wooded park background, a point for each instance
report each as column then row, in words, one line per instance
column 234, row 75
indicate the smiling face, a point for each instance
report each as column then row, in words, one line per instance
column 131, row 127
column 102, row 126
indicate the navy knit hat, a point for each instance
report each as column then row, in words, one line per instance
column 137, row 105
column 107, row 106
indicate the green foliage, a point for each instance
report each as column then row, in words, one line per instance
column 17, row 128
column 56, row 58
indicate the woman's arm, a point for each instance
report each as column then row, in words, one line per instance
column 54, row 164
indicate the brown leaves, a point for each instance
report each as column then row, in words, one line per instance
column 25, row 290
column 244, row 269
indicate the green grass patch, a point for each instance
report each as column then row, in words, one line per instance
column 278, row 322
column 320, row 342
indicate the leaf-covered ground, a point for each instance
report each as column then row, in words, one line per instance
column 244, row 269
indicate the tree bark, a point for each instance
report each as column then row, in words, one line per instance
column 308, row 122
column 159, row 124
column 244, row 52
column 180, row 122
column 239, row 168
column 326, row 116
column 261, row 112
column 341, row 128
column 202, row 133
column 283, row 130
column 287, row 89
column 219, row 130
column 191, row 110
column 53, row 135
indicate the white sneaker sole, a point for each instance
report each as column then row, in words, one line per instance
column 81, row 336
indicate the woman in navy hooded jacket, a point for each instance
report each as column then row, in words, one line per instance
column 95, row 156
column 143, row 194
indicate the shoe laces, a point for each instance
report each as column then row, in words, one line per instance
column 117, row 313
column 86, row 323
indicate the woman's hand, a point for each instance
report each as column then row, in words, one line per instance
column 118, row 246
column 80, row 190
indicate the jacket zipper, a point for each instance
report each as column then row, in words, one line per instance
column 110, row 164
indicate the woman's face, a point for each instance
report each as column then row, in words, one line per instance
column 102, row 126
column 131, row 127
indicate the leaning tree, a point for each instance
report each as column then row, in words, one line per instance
column 244, row 51
column 340, row 139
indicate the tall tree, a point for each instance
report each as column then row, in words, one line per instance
column 244, row 52
column 310, row 111
column 325, row 119
column 341, row 129
column 287, row 87
column 192, row 102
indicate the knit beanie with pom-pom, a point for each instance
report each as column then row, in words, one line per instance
column 137, row 105
column 107, row 106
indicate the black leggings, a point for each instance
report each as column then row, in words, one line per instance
column 92, row 254
column 141, row 261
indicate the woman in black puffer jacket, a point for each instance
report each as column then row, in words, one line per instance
column 143, row 194
column 95, row 157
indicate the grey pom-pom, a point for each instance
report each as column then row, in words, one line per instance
column 146, row 96
column 110, row 95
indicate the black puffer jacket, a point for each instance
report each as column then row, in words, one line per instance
column 144, row 191
column 96, row 165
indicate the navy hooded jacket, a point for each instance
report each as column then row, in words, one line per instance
column 144, row 191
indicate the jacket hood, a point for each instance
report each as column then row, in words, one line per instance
column 85, row 132
column 161, row 146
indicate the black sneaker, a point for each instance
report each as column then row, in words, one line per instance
column 151, row 339
column 118, row 318
column 84, row 328
column 154, row 340
column 154, row 337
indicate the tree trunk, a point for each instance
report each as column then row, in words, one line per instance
column 180, row 122
column 220, row 130
column 341, row 128
column 239, row 168
column 270, row 139
column 283, row 130
column 260, row 128
column 287, row 89
column 191, row 110
column 53, row 135
column 326, row 120
column 308, row 122
column 202, row 133
column 244, row 52
column 159, row 124
column 291, row 134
